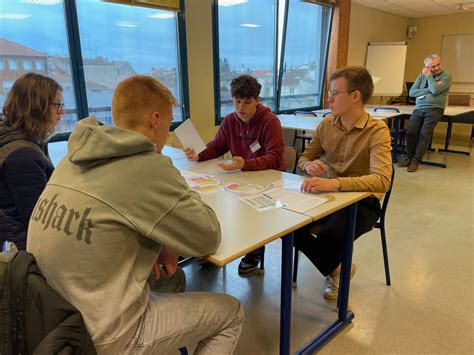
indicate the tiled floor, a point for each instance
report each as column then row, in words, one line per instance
column 429, row 307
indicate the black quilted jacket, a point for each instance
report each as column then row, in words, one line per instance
column 24, row 171
column 35, row 319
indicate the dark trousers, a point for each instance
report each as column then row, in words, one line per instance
column 420, row 130
column 325, row 249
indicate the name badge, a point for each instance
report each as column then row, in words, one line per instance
column 255, row 146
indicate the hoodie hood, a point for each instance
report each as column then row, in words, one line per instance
column 92, row 143
column 9, row 134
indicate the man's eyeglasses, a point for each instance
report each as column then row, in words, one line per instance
column 59, row 105
column 335, row 92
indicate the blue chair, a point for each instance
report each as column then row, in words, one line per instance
column 401, row 130
column 380, row 225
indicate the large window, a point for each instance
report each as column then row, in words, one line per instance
column 88, row 49
column 254, row 36
column 28, row 32
column 246, row 45
column 120, row 41
column 304, row 57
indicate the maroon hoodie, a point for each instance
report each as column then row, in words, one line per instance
column 237, row 136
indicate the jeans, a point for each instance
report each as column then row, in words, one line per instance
column 420, row 129
column 203, row 322
column 325, row 250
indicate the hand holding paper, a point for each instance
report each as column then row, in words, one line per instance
column 191, row 154
column 189, row 137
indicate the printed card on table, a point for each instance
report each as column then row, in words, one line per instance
column 202, row 183
column 244, row 189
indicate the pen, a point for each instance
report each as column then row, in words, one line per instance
column 267, row 196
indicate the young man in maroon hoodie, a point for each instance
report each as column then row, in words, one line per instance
column 253, row 135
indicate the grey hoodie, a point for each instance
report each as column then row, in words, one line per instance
column 99, row 225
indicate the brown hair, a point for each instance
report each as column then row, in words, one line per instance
column 137, row 97
column 245, row 86
column 28, row 105
column 358, row 78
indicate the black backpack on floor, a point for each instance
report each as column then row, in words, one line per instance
column 35, row 319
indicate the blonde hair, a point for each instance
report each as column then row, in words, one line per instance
column 136, row 97
column 28, row 105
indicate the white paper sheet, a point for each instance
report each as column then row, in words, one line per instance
column 295, row 201
column 261, row 202
column 189, row 136
column 288, row 184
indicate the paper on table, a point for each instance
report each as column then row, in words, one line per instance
column 244, row 189
column 189, row 136
column 295, row 201
column 288, row 184
column 201, row 183
column 262, row 202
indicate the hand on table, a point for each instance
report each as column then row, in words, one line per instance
column 316, row 184
column 315, row 168
column 238, row 163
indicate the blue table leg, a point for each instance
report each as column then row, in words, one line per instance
column 448, row 138
column 432, row 163
column 285, row 305
column 344, row 315
column 396, row 124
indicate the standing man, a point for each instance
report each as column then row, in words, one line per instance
column 253, row 134
column 356, row 148
column 114, row 210
column 431, row 90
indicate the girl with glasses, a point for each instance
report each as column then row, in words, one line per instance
column 31, row 112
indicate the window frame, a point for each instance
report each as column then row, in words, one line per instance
column 282, row 62
column 278, row 70
column 216, row 59
column 77, row 68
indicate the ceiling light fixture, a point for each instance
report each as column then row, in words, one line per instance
column 126, row 24
column 162, row 16
column 251, row 25
column 42, row 2
column 228, row 3
column 10, row 16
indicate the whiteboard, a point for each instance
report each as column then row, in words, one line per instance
column 457, row 57
column 386, row 63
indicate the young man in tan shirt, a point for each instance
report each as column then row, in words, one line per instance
column 356, row 148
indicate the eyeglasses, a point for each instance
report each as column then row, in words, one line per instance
column 59, row 105
column 335, row 92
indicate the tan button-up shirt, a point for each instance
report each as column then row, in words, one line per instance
column 360, row 158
